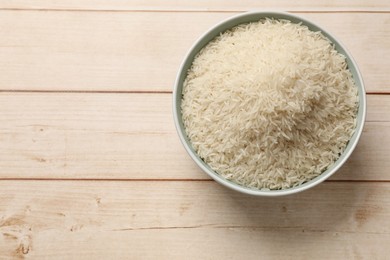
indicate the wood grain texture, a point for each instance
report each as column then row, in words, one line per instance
column 132, row 136
column 200, row 5
column 190, row 219
column 136, row 51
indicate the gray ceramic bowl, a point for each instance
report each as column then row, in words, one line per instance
column 252, row 17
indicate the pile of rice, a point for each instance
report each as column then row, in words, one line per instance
column 269, row 104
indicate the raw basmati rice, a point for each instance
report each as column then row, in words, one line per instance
column 269, row 104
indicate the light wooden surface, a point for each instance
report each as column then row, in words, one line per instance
column 91, row 166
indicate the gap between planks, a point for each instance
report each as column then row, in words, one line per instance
column 161, row 180
column 90, row 91
column 120, row 91
column 185, row 10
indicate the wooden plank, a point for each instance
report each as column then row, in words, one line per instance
column 201, row 5
column 132, row 136
column 211, row 243
column 135, row 51
column 90, row 136
column 378, row 108
column 61, row 219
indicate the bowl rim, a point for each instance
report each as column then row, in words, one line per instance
column 258, row 192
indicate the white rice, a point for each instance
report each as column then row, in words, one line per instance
column 269, row 104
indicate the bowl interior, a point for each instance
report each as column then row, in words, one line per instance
column 252, row 17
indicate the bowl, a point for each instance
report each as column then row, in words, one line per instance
column 253, row 17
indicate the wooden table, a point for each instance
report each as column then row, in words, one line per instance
column 90, row 163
